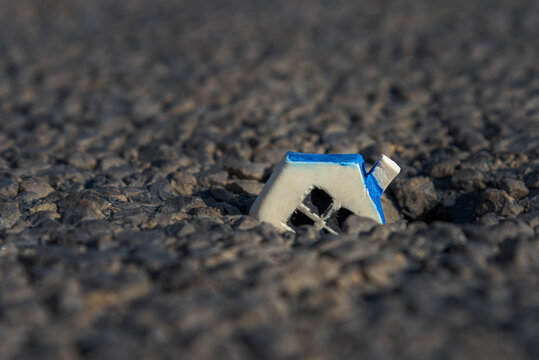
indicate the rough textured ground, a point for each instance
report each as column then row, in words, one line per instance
column 135, row 135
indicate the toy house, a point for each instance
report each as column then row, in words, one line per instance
column 323, row 190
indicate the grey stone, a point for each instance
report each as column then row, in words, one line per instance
column 222, row 194
column 250, row 187
column 85, row 206
column 444, row 168
column 8, row 187
column 253, row 171
column 382, row 269
column 358, row 224
column 9, row 214
column 81, row 160
column 532, row 180
column 208, row 178
column 390, row 209
column 467, row 179
column 36, row 186
column 246, row 223
column 416, row 196
column 498, row 202
column 183, row 183
column 162, row 190
column 515, row 188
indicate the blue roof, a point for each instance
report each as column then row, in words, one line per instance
column 341, row 159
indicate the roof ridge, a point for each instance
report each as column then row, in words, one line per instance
column 341, row 159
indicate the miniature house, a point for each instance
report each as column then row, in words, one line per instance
column 323, row 190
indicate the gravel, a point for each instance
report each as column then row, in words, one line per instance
column 135, row 136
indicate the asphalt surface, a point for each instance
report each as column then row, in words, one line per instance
column 135, row 135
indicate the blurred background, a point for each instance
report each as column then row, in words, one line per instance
column 135, row 135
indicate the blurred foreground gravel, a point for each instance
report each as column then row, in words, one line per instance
column 135, row 135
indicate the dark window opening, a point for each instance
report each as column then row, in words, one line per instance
column 298, row 218
column 336, row 220
column 318, row 201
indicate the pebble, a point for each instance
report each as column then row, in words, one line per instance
column 532, row 180
column 8, row 187
column 80, row 207
column 416, row 196
column 382, row 268
column 9, row 214
column 183, row 183
column 221, row 194
column 515, row 188
column 250, row 187
column 38, row 187
column 444, row 168
column 162, row 190
column 498, row 202
column 467, row 179
column 252, row 171
column 358, row 224
column 81, row 160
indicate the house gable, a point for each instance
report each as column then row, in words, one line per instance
column 297, row 175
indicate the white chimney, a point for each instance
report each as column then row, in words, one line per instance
column 384, row 171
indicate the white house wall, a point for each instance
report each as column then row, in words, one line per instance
column 290, row 182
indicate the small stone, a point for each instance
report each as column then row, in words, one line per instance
column 69, row 299
column 467, row 179
column 81, row 160
column 166, row 219
column 532, row 202
column 9, row 214
column 80, row 207
column 498, row 202
column 42, row 207
column 27, row 197
column 358, row 224
column 156, row 153
column 532, row 180
column 353, row 250
column 444, row 235
column 444, row 168
column 8, row 187
column 532, row 218
column 515, row 188
column 183, row 183
column 221, row 194
column 183, row 204
column 250, row 187
column 227, row 208
column 381, row 268
column 36, row 186
column 162, row 190
column 246, row 223
column 252, row 171
column 470, row 140
column 42, row 216
column 211, row 177
column 350, row 277
column 527, row 254
column 505, row 229
column 416, row 196
column 110, row 162
column 304, row 273
column 205, row 212
column 390, row 209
